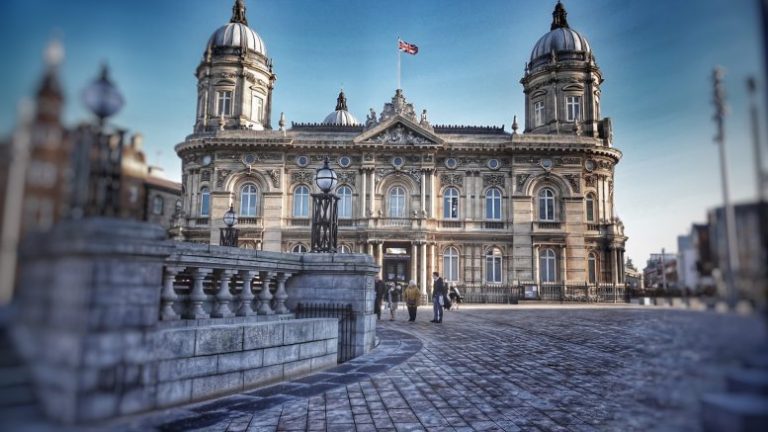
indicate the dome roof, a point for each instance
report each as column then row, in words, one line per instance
column 237, row 35
column 341, row 116
column 561, row 37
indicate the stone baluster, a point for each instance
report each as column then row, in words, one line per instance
column 265, row 296
column 223, row 297
column 198, row 296
column 246, row 295
column 168, row 296
column 281, row 295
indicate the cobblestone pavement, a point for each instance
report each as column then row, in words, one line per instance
column 504, row 369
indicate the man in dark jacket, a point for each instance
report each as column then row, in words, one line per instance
column 438, row 291
column 381, row 289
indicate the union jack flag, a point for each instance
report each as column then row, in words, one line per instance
column 407, row 48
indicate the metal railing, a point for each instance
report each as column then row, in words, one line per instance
column 493, row 225
column 300, row 222
column 548, row 225
column 346, row 317
column 451, row 224
column 548, row 292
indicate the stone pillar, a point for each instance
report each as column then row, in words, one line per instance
column 223, row 297
column 168, row 296
column 536, row 264
column 362, row 191
column 372, row 198
column 615, row 258
column 197, row 297
column 423, row 281
column 380, row 257
column 414, row 261
column 433, row 261
column 432, row 194
column 281, row 295
column 265, row 296
column 423, row 192
column 564, row 265
column 370, row 249
column 246, row 295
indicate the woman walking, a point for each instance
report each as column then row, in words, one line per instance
column 393, row 297
column 412, row 297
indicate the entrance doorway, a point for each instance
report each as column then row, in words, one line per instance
column 396, row 264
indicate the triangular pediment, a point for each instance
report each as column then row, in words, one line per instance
column 399, row 130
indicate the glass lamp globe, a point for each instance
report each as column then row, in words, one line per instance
column 230, row 218
column 325, row 178
column 101, row 97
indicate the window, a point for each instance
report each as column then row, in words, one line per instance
column 592, row 267
column 157, row 205
column 590, row 208
column 345, row 202
column 572, row 108
column 249, row 200
column 200, row 106
column 451, row 203
column 451, row 264
column 538, row 113
column 396, row 203
column 345, row 249
column 299, row 248
column 546, row 205
column 257, row 107
column 224, row 103
column 547, row 265
column 493, row 204
column 301, row 202
column 205, row 202
column 493, row 266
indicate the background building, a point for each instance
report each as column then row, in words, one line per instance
column 660, row 272
column 478, row 204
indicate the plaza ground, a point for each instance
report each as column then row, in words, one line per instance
column 506, row 368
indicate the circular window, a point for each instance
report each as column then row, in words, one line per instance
column 494, row 164
column 249, row 159
column 302, row 160
column 546, row 163
column 589, row 165
column 207, row 160
column 451, row 163
column 345, row 161
column 398, row 162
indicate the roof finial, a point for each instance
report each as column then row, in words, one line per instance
column 341, row 101
column 559, row 17
column 238, row 13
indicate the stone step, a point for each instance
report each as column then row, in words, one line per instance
column 734, row 412
column 16, row 395
column 753, row 381
column 13, row 375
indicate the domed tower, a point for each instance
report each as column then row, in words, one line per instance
column 562, row 84
column 341, row 117
column 235, row 78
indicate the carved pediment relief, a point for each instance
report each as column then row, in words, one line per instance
column 401, row 135
column 538, row 93
column 399, row 131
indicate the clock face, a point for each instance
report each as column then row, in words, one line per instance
column 207, row 160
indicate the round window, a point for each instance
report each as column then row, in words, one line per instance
column 451, row 163
column 345, row 161
column 249, row 159
column 589, row 165
column 302, row 160
column 546, row 163
column 494, row 164
column 398, row 162
column 207, row 159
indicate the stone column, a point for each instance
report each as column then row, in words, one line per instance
column 223, row 297
column 536, row 264
column 373, row 193
column 363, row 213
column 380, row 257
column 168, row 296
column 198, row 297
column 423, row 282
column 564, row 265
column 414, row 261
column 265, row 296
column 281, row 295
column 615, row 258
column 423, row 192
column 432, row 258
column 432, row 194
column 246, row 295
column 370, row 249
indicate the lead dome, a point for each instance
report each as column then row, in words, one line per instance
column 237, row 34
column 341, row 117
column 561, row 40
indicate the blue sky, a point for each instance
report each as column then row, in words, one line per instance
column 656, row 57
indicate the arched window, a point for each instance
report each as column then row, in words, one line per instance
column 493, row 204
column 345, row 202
column 451, row 264
column 493, row 266
column 249, row 200
column 592, row 267
column 299, row 248
column 301, row 201
column 590, row 204
column 546, row 204
column 396, row 202
column 451, row 203
column 345, row 249
column 205, row 202
column 547, row 265
column 158, row 205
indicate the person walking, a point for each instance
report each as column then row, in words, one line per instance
column 393, row 297
column 380, row 289
column 412, row 297
column 455, row 297
column 438, row 292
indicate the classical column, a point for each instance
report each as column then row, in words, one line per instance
column 281, row 295
column 564, row 265
column 615, row 262
column 223, row 297
column 198, row 297
column 246, row 295
column 432, row 194
column 363, row 191
column 423, row 192
column 432, row 258
column 265, row 296
column 536, row 264
column 414, row 261
column 380, row 257
column 370, row 249
column 423, row 260
column 373, row 192
column 168, row 296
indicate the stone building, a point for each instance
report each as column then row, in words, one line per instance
column 478, row 204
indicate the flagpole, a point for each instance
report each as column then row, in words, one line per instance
column 399, row 54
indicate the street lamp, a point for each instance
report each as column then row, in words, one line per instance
column 325, row 218
column 102, row 97
column 229, row 234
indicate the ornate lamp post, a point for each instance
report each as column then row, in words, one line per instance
column 229, row 234
column 325, row 217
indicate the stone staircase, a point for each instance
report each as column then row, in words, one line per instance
column 17, row 398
